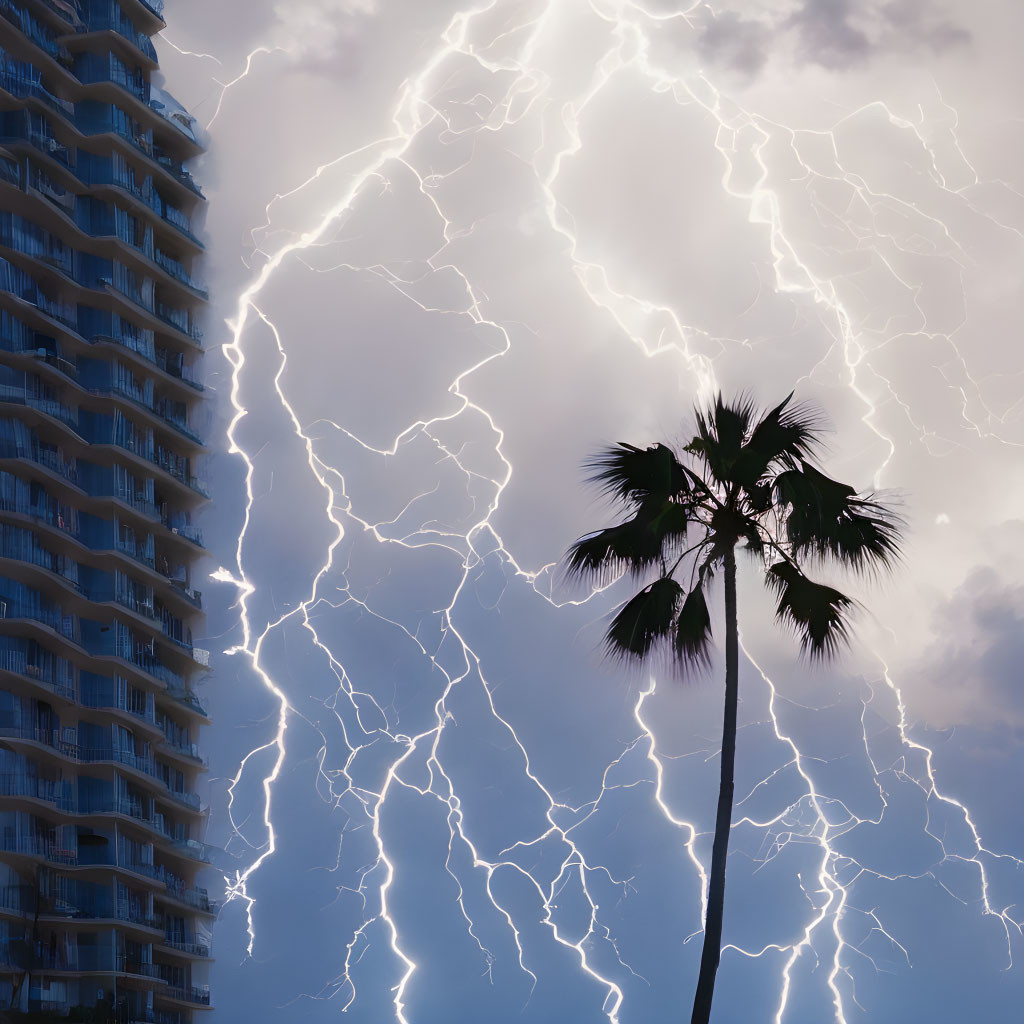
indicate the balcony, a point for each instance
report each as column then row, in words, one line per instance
column 38, row 846
column 176, row 170
column 186, row 698
column 66, row 625
column 179, row 220
column 185, row 749
column 133, row 654
column 48, row 737
column 112, row 20
column 179, row 273
column 180, row 321
column 22, row 80
column 57, row 677
column 26, row 899
column 195, row 996
column 146, row 765
column 182, row 529
column 162, row 412
column 197, row 898
column 19, row 339
column 59, row 794
column 94, row 694
column 187, row 945
column 18, row 395
column 40, row 34
column 42, row 457
column 30, row 240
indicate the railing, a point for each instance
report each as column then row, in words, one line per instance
column 31, row 240
column 180, row 424
column 178, row 319
column 190, row 800
column 118, row 702
column 180, row 220
column 50, row 406
column 40, row 515
column 42, row 457
column 179, row 273
column 146, row 765
column 51, row 738
column 139, row 399
column 16, row 661
column 186, row 945
column 134, row 550
column 194, row 597
column 197, row 898
column 138, row 87
column 48, row 737
column 177, row 171
column 37, row 846
column 22, row 80
column 186, row 697
column 35, row 788
column 189, row 750
column 27, row 899
column 105, row 20
column 28, row 25
column 191, row 848
column 128, row 965
column 66, row 625
column 45, row 144
column 189, row 532
column 52, row 461
column 62, row 13
column 139, row 503
column 201, row 997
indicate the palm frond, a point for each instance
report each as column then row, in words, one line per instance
column 721, row 431
column 645, row 621
column 827, row 517
column 693, row 630
column 627, row 473
column 654, row 533
column 781, row 438
column 818, row 613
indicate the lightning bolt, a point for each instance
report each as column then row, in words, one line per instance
column 509, row 45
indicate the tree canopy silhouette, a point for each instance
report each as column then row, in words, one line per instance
column 747, row 478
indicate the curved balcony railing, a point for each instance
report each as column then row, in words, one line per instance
column 184, row 944
column 197, row 996
column 25, row 899
column 112, row 20
column 96, row 755
column 56, row 677
column 66, row 625
column 38, row 846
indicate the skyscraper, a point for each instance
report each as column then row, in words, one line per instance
column 99, row 818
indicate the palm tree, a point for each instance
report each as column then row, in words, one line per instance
column 744, row 479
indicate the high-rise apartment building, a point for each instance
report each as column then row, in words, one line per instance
column 101, row 918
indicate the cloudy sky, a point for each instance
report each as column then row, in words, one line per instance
column 454, row 249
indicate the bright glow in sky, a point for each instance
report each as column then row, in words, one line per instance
column 456, row 248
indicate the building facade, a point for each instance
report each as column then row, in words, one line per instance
column 101, row 917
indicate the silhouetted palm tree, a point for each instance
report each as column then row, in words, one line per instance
column 743, row 479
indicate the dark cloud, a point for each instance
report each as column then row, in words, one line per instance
column 979, row 648
column 827, row 34
column 834, row 34
column 736, row 42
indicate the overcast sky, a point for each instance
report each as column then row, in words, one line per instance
column 452, row 251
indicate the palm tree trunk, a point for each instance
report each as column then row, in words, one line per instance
column 712, row 951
